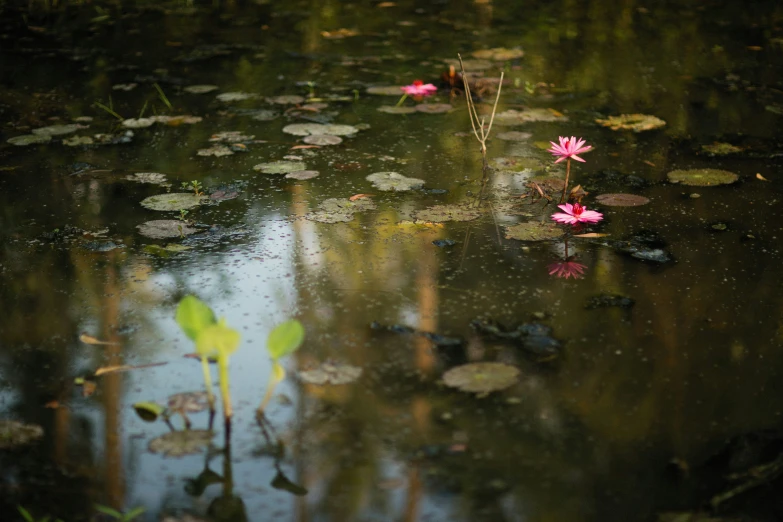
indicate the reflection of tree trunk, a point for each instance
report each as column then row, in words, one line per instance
column 111, row 388
column 62, row 418
column 427, row 283
column 413, row 501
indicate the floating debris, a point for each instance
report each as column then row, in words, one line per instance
column 231, row 137
column 78, row 141
column 632, row 122
column 181, row 443
column 702, row 177
column 165, row 228
column 124, row 86
column 189, row 402
column 280, row 167
column 622, row 200
column 443, row 213
column 174, row 201
column 535, row 338
column 393, row 181
column 482, row 378
column 331, row 373
column 216, row 150
column 534, row 231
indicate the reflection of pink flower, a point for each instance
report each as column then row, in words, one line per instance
column 567, row 269
column 576, row 213
column 419, row 88
column 569, row 148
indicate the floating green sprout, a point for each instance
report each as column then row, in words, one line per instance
column 214, row 339
column 285, row 339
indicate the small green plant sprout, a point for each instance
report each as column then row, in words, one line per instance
column 182, row 214
column 30, row 518
column 195, row 186
column 283, row 340
column 117, row 515
column 214, row 339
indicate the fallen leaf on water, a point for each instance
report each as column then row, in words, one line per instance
column 650, row 163
column 296, row 147
column 762, row 178
column 754, row 48
column 52, row 404
column 89, row 339
column 591, row 234
column 359, row 196
column 124, row 368
column 339, row 33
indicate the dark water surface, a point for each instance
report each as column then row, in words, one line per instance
column 620, row 425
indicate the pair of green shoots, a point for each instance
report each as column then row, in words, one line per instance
column 215, row 340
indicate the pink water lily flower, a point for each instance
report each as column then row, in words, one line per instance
column 567, row 269
column 419, row 88
column 576, row 213
column 569, row 148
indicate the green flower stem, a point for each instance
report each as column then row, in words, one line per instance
column 225, row 391
column 208, row 383
column 402, row 99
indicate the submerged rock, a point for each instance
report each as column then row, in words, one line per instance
column 535, row 338
column 645, row 245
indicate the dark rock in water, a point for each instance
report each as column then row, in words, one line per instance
column 435, row 191
column 101, row 246
column 435, row 338
column 78, row 168
column 444, row 242
column 609, row 300
column 645, row 245
column 535, row 338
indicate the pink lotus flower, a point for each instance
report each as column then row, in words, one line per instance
column 576, row 213
column 419, row 88
column 569, row 148
column 567, row 269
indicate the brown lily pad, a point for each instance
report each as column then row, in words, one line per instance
column 482, row 377
column 622, row 200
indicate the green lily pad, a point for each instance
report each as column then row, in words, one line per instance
column 721, row 149
column 280, row 167
column 175, row 201
column 515, row 136
column 77, row 141
column 514, row 117
column 482, row 377
column 702, row 177
column 236, row 96
column 215, row 150
column 622, row 200
column 471, row 65
column 188, row 402
column 165, row 228
column 200, row 89
column 154, row 178
column 322, row 140
column 302, row 175
column 331, row 373
column 632, row 122
column 29, row 139
column 58, row 130
column 286, row 99
column 394, row 181
column 337, row 210
column 386, row 90
column 441, row 213
column 392, row 109
column 181, row 443
column 499, row 54
column 533, row 231
column 310, row 129
column 14, row 433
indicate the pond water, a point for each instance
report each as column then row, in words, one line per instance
column 645, row 377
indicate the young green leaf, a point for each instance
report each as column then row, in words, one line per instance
column 25, row 514
column 193, row 316
column 106, row 510
column 285, row 339
column 148, row 411
column 217, row 339
column 133, row 513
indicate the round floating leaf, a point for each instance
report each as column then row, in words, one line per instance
column 29, row 139
column 165, row 228
column 280, row 167
column 322, row 140
column 394, row 181
column 148, row 411
column 265, row 115
column 310, row 129
column 331, row 373
column 337, row 210
column 441, row 213
column 189, row 402
column 433, row 108
column 499, row 54
column 391, row 109
column 77, row 141
column 138, row 123
column 175, row 201
column 533, row 231
column 622, row 200
column 302, row 175
column 236, row 96
column 514, row 136
column 155, row 178
column 472, row 65
column 632, row 122
column 57, row 130
column 517, row 164
column 231, row 137
column 386, row 90
column 181, row 443
column 721, row 149
column 702, row 177
column 483, row 377
column 286, row 99
column 14, row 433
column 514, row 117
column 285, row 339
column 215, row 150
column 200, row 89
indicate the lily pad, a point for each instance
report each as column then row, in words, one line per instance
column 331, row 373
column 165, row 251
column 441, row 213
column 337, row 210
column 165, row 228
column 200, row 89
column 29, row 139
column 215, row 150
column 632, row 122
column 518, row 164
column 58, row 130
column 515, row 136
column 386, row 90
column 514, row 117
column 181, row 443
column 280, row 167
column 302, row 175
column 138, row 123
column 533, row 231
column 154, row 178
column 175, row 201
column 77, row 141
column 434, row 108
column 483, row 377
column 721, row 149
column 231, row 137
column 472, row 65
column 264, row 115
column 394, row 181
column 236, row 96
column 189, row 402
column 622, row 200
column 391, row 109
column 322, row 140
column 286, row 99
column 14, row 433
column 499, row 54
column 310, row 129
column 702, row 177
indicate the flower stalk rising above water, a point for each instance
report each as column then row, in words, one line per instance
column 576, row 213
column 417, row 89
column 567, row 150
